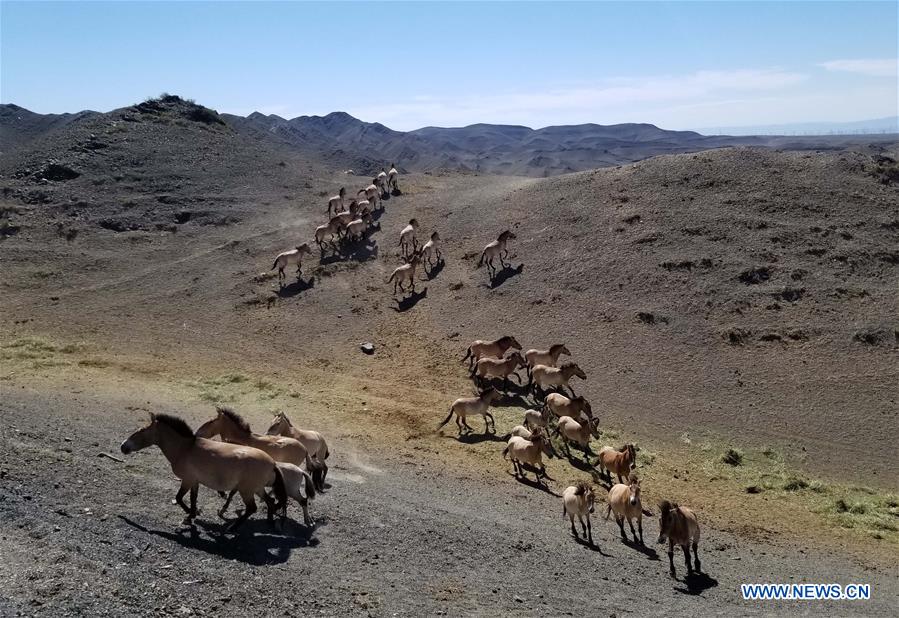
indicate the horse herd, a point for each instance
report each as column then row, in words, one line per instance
column 292, row 461
column 572, row 418
column 348, row 223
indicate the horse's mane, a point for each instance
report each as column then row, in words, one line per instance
column 175, row 424
column 556, row 346
column 286, row 420
column 581, row 488
column 632, row 478
column 235, row 418
column 666, row 507
column 622, row 449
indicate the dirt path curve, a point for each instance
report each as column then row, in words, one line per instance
column 82, row 534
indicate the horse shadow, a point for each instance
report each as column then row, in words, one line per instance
column 697, row 583
column 646, row 550
column 254, row 543
column 503, row 275
column 359, row 251
column 577, row 462
column 591, row 546
column 436, row 269
column 535, row 484
column 407, row 303
column 477, row 438
column 396, row 192
column 509, row 400
column 296, row 287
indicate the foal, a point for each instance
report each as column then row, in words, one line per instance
column 497, row 248
column 679, row 525
column 218, row 465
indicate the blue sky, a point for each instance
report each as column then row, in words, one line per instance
column 675, row 64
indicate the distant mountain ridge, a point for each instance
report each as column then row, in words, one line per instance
column 366, row 147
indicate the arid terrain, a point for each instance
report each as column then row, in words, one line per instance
column 737, row 301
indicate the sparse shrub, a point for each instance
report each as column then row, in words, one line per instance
column 795, row 484
column 204, row 115
column 732, row 457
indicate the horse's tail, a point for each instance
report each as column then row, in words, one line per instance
column 392, row 275
column 279, row 489
column 468, row 354
column 564, row 510
column 317, row 470
column 481, row 260
column 608, row 511
column 446, row 420
column 275, row 265
column 310, row 485
column 505, row 452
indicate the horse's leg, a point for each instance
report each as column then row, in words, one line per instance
column 686, row 549
column 696, row 556
column 307, row 518
column 620, row 521
column 459, row 424
column 179, row 497
column 193, row 500
column 640, row 527
column 573, row 529
column 589, row 530
column 583, row 525
column 270, row 504
column 492, row 421
column 630, row 523
column 225, row 506
column 249, row 501
column 671, row 557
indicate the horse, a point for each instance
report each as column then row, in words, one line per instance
column 621, row 462
column 313, row 441
column 529, row 452
column 472, row 406
column 218, row 465
column 624, row 501
column 679, row 525
column 494, row 249
column 496, row 349
column 579, row 500
column 232, row 427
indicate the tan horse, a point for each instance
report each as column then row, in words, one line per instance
column 621, row 462
column 489, row 368
column 579, row 500
column 293, row 256
column 624, row 501
column 680, row 526
column 529, row 453
column 497, row 349
column 220, row 466
column 548, row 357
column 404, row 273
column 495, row 249
column 560, row 406
column 545, row 377
column 233, row 428
column 578, row 432
column 335, row 204
column 472, row 406
column 313, row 441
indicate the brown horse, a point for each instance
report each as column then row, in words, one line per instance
column 680, row 526
column 218, row 465
column 621, row 462
column 232, row 427
column 497, row 349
